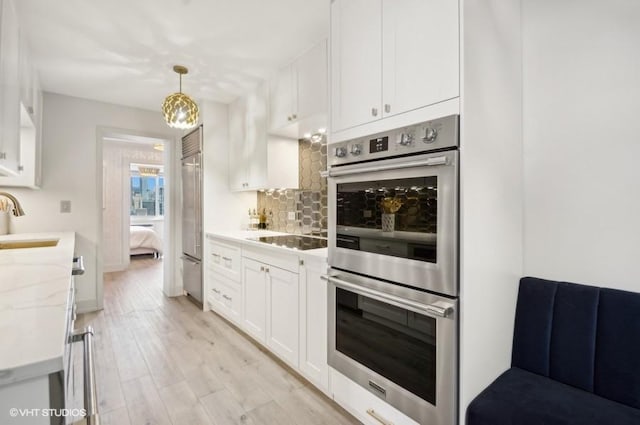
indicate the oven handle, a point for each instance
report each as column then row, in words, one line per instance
column 90, row 395
column 439, row 309
column 429, row 162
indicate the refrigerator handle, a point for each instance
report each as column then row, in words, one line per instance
column 190, row 260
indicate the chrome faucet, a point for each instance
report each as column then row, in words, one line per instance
column 17, row 208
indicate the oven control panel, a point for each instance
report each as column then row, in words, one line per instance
column 418, row 138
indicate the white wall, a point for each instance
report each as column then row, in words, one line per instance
column 225, row 210
column 491, row 191
column 582, row 141
column 70, row 173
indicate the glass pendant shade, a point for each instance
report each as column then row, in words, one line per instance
column 179, row 110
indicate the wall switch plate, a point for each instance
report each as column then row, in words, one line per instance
column 291, row 215
column 65, row 206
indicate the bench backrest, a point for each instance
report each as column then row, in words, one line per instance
column 583, row 336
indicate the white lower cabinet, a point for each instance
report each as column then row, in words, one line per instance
column 282, row 320
column 362, row 404
column 313, row 323
column 270, row 305
column 254, row 320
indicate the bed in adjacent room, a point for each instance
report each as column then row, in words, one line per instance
column 144, row 240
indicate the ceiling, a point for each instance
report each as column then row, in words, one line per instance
column 123, row 51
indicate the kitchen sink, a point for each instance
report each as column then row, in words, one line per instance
column 28, row 243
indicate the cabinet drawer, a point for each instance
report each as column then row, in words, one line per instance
column 224, row 297
column 225, row 259
column 364, row 405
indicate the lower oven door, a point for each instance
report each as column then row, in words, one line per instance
column 399, row 343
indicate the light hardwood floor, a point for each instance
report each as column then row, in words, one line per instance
column 163, row 361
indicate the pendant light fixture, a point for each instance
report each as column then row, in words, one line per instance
column 180, row 111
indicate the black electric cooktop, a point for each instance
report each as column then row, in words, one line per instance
column 293, row 241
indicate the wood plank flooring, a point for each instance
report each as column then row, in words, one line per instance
column 162, row 361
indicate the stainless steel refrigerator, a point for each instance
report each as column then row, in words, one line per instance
column 192, row 213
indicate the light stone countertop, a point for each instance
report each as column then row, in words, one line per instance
column 34, row 288
column 243, row 237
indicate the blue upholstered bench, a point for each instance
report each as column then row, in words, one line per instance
column 576, row 359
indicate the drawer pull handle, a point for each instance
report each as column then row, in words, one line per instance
column 226, row 258
column 215, row 255
column 217, row 291
column 226, row 297
column 378, row 418
column 90, row 393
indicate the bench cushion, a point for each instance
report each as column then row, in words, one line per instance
column 519, row 397
column 583, row 336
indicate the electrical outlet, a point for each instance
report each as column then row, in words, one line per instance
column 291, row 215
column 65, row 206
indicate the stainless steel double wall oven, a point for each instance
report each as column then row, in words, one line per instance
column 393, row 252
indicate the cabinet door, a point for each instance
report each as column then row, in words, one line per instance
column 281, row 99
column 356, row 69
column 254, row 299
column 420, row 47
column 256, row 140
column 282, row 334
column 312, row 81
column 237, row 159
column 9, row 89
column 313, row 326
column 27, row 77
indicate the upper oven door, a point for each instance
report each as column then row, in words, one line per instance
column 397, row 220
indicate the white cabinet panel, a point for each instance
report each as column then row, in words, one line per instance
column 254, row 299
column 282, row 101
column 313, row 324
column 420, row 48
column 256, row 140
column 282, row 334
column 312, row 82
column 9, row 89
column 356, row 56
column 237, row 132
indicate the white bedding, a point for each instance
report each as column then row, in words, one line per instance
column 144, row 237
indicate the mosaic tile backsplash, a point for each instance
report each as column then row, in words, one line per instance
column 309, row 202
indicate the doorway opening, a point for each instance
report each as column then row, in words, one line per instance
column 136, row 217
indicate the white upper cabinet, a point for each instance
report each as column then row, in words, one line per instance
column 298, row 94
column 256, row 160
column 20, row 106
column 9, row 90
column 389, row 57
column 356, row 59
column 312, row 76
column 256, row 140
column 420, row 63
column 283, row 102
column 238, row 176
